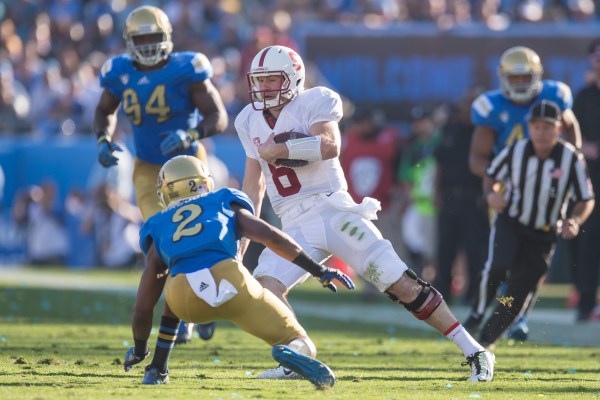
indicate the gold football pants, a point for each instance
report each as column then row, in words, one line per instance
column 144, row 180
column 254, row 309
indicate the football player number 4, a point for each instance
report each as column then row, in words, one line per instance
column 286, row 181
column 156, row 105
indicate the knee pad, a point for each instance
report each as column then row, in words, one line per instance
column 422, row 303
column 382, row 266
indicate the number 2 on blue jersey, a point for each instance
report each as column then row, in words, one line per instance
column 183, row 228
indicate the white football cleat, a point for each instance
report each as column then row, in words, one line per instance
column 279, row 373
column 482, row 366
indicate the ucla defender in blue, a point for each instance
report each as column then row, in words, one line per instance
column 195, row 241
column 500, row 115
column 500, row 118
column 171, row 104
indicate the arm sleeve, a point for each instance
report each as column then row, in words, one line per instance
column 201, row 68
column 498, row 169
column 240, row 198
column 146, row 237
column 582, row 185
column 325, row 106
column 564, row 96
column 109, row 77
column 481, row 111
column 241, row 127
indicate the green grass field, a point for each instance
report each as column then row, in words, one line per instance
column 67, row 343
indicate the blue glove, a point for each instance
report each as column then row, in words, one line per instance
column 329, row 274
column 177, row 141
column 131, row 359
column 105, row 156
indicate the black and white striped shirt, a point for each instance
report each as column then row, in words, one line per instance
column 537, row 190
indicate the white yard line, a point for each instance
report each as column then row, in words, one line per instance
column 47, row 279
column 549, row 326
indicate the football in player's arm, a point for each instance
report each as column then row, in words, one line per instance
column 313, row 203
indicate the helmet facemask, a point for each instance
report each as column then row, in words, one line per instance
column 147, row 35
column 267, row 99
column 522, row 91
column 149, row 54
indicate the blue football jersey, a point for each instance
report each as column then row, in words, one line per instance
column 509, row 120
column 196, row 233
column 157, row 102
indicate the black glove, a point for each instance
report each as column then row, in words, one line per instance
column 325, row 274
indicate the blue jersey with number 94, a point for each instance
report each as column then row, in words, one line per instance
column 157, row 102
column 509, row 119
column 196, row 233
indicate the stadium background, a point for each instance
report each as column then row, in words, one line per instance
column 388, row 54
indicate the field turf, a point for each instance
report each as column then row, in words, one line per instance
column 68, row 343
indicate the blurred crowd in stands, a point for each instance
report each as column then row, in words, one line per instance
column 53, row 49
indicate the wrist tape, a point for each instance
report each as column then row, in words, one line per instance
column 308, row 148
column 197, row 133
column 308, row 264
column 103, row 138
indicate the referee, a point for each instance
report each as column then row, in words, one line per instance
column 539, row 175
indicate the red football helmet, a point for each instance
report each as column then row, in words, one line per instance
column 280, row 61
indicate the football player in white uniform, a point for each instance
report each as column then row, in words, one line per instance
column 307, row 189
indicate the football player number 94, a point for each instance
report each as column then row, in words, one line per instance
column 285, row 179
column 156, row 105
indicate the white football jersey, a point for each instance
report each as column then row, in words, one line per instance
column 286, row 186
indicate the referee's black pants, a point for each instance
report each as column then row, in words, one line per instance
column 525, row 256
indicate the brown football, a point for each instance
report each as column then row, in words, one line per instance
column 284, row 137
